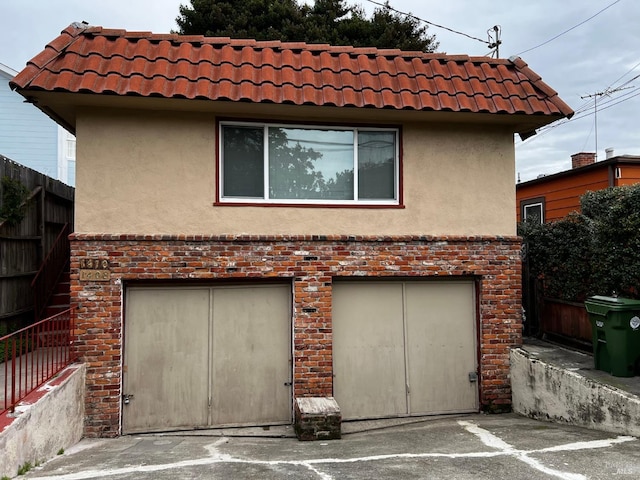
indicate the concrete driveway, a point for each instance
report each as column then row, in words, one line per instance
column 459, row 447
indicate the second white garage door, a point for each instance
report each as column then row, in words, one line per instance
column 404, row 348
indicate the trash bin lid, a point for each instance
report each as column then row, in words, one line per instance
column 601, row 305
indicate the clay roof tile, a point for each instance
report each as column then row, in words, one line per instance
column 94, row 60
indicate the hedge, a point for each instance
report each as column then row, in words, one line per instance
column 596, row 252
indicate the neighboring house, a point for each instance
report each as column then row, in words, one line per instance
column 552, row 197
column 32, row 139
column 261, row 221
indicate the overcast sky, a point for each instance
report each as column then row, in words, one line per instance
column 602, row 53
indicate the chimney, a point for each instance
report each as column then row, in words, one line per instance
column 582, row 159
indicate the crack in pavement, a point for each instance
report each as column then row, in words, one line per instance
column 501, row 448
column 491, row 440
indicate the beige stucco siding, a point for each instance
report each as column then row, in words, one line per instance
column 154, row 172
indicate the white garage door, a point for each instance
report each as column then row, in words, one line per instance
column 206, row 356
column 404, row 348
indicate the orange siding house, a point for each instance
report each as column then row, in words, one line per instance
column 555, row 196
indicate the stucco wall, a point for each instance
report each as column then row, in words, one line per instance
column 154, row 172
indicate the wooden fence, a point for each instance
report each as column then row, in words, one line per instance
column 568, row 321
column 23, row 247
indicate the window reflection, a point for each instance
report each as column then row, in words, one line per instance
column 310, row 164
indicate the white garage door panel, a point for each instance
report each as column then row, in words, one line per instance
column 166, row 338
column 404, row 347
column 368, row 353
column 441, row 349
column 251, row 351
column 207, row 356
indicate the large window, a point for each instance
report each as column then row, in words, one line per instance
column 273, row 163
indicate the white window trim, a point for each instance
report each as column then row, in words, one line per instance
column 319, row 202
column 536, row 204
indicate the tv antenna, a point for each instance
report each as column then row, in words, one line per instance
column 606, row 92
column 494, row 42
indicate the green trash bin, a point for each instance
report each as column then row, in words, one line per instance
column 615, row 324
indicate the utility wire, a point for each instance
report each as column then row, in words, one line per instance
column 544, row 130
column 386, row 5
column 586, row 106
column 567, row 31
column 611, row 103
column 625, row 74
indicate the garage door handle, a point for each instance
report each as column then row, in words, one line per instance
column 287, row 384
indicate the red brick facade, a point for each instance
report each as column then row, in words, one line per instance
column 582, row 159
column 310, row 263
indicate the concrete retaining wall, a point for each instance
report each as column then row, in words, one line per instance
column 45, row 422
column 546, row 392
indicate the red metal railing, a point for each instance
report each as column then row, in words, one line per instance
column 33, row 355
column 47, row 277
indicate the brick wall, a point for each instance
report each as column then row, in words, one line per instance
column 310, row 262
column 582, row 159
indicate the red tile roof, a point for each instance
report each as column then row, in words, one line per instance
column 94, row 60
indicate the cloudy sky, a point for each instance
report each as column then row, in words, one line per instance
column 601, row 54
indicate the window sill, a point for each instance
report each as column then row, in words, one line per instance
column 308, row 205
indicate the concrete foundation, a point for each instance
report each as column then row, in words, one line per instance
column 46, row 421
column 560, row 393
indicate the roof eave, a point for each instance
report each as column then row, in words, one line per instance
column 61, row 106
column 620, row 159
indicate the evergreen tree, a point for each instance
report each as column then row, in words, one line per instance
column 327, row 21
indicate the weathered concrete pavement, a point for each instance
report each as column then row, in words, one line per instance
column 460, row 447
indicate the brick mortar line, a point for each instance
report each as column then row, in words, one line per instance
column 294, row 238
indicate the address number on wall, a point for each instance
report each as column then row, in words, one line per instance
column 94, row 269
column 94, row 264
column 95, row 275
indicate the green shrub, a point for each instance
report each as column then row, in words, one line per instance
column 12, row 201
column 615, row 213
column 596, row 252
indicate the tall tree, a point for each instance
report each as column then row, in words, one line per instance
column 326, row 21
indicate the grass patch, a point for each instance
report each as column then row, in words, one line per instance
column 25, row 468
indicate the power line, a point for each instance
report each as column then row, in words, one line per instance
column 611, row 103
column 427, row 22
column 587, row 140
column 625, row 74
column 586, row 106
column 568, row 30
column 595, row 97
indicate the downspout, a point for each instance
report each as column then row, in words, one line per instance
column 612, row 177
